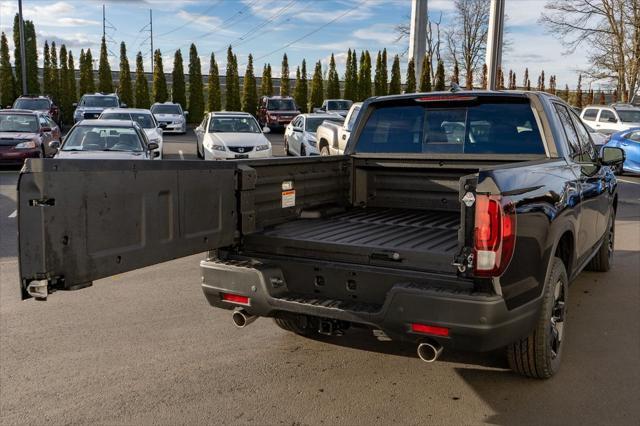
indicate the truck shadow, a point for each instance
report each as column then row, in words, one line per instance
column 362, row 339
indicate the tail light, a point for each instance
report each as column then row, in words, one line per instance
column 494, row 235
column 430, row 329
column 235, row 298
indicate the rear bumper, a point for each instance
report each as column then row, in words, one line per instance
column 477, row 322
column 17, row 156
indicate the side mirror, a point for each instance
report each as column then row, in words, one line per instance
column 185, row 112
column 54, row 145
column 318, row 110
column 156, row 154
column 45, row 129
column 162, row 125
column 611, row 155
column 152, row 145
column 612, row 120
column 297, row 129
column 75, row 104
column 265, row 129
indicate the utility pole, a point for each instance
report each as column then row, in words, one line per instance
column 418, row 34
column 494, row 42
column 23, row 59
column 151, row 37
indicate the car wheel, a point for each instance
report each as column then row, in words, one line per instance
column 303, row 151
column 298, row 324
column 603, row 259
column 199, row 153
column 538, row 355
column 324, row 151
column 286, row 147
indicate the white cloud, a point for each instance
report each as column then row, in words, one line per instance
column 520, row 13
column 382, row 34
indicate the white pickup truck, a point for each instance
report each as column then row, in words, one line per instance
column 333, row 137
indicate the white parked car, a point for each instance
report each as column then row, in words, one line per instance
column 335, row 106
column 144, row 118
column 231, row 135
column 170, row 116
column 612, row 118
column 300, row 134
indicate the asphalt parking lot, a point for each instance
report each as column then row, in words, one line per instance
column 145, row 347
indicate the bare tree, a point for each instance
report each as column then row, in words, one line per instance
column 610, row 29
column 433, row 40
column 467, row 35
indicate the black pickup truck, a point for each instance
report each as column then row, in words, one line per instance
column 453, row 220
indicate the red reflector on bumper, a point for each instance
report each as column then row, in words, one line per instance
column 430, row 329
column 235, row 298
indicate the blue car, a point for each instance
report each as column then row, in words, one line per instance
column 629, row 141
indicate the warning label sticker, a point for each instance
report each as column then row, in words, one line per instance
column 288, row 198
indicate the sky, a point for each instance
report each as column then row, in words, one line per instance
column 309, row 29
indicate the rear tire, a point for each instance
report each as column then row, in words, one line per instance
column 303, row 151
column 603, row 259
column 538, row 355
column 324, row 151
column 298, row 324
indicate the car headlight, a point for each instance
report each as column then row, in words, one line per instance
column 26, row 145
column 262, row 147
column 310, row 140
column 218, row 148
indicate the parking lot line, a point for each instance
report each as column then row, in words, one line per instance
column 628, row 181
column 14, row 214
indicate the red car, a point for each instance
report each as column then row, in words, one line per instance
column 43, row 104
column 276, row 112
column 26, row 134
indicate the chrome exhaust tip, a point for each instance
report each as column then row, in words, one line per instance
column 241, row 318
column 429, row 351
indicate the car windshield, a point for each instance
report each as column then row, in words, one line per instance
column 281, row 105
column 629, row 115
column 312, row 123
column 102, row 138
column 18, row 123
column 500, row 127
column 99, row 101
column 338, row 105
column 32, row 104
column 233, row 125
column 144, row 120
column 166, row 109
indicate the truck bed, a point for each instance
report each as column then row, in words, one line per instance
column 415, row 239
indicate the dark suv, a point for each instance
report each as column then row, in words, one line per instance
column 43, row 104
column 275, row 112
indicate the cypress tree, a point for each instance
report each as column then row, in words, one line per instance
column 484, row 82
column 17, row 55
column 126, row 91
column 425, row 76
column 266, row 85
column 230, row 104
column 348, row 91
column 88, row 59
column 526, row 82
column 46, row 68
column 236, row 85
column 33, row 82
column 500, row 79
column 410, row 86
column 384, row 79
column 354, row 74
column 196, row 94
column 376, row 75
column 601, row 99
column 72, row 94
column 249, row 89
column 142, row 86
column 364, row 76
column 456, row 74
column 159, row 90
column 81, row 84
column 178, row 90
column 284, row 79
column 297, row 91
column 304, row 90
column 7, row 79
column 317, row 91
column 65, row 101
column 579, row 92
column 55, row 76
column 395, row 85
column 214, row 102
column 333, row 80
column 439, row 84
column 542, row 84
column 105, row 80
column 510, row 79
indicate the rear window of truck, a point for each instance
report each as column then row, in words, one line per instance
column 481, row 127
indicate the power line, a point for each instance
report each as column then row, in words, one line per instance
column 310, row 33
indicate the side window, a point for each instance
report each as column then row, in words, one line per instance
column 634, row 136
column 572, row 136
column 353, row 117
column 590, row 114
column 43, row 121
column 586, row 145
column 607, row 116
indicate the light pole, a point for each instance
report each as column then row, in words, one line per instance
column 494, row 42
column 418, row 34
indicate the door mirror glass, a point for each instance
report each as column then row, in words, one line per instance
column 152, row 145
column 611, row 155
column 265, row 129
column 54, row 144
